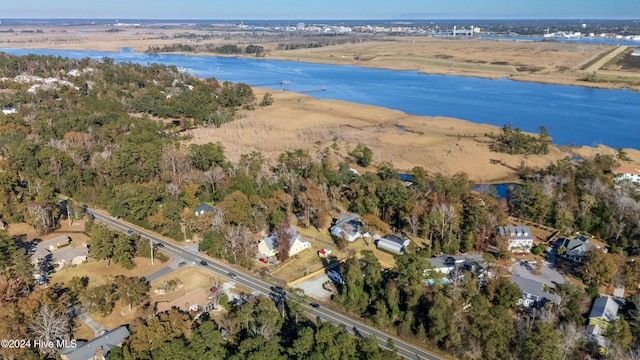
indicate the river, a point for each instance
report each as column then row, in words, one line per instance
column 573, row 115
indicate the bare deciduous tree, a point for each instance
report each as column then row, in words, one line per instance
column 41, row 218
column 240, row 243
column 215, row 177
column 50, row 324
column 283, row 235
column 572, row 337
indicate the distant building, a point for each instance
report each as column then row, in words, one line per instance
column 603, row 311
column 533, row 293
column 267, row 245
column 98, row 348
column 348, row 227
column 626, row 173
column 576, row 249
column 393, row 243
column 519, row 237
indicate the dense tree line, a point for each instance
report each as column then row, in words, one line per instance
column 228, row 49
column 514, row 141
column 257, row 329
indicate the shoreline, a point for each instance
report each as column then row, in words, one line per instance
column 450, row 57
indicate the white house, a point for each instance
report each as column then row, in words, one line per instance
column 626, row 173
column 267, row 247
column 348, row 227
column 519, row 237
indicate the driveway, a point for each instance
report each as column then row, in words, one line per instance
column 548, row 275
column 313, row 287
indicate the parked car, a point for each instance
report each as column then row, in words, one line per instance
column 182, row 263
column 130, row 232
column 263, row 260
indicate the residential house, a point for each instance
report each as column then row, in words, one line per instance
column 98, row 348
column 533, row 293
column 519, row 237
column 603, row 311
column 348, row 227
column 267, row 245
column 203, row 208
column 575, row 249
column 626, row 173
column 393, row 243
column 43, row 250
column 448, row 265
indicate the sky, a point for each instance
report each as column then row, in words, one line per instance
column 320, row 9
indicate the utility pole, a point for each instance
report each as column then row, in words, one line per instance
column 68, row 213
column 151, row 247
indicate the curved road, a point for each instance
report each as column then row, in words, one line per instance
column 357, row 328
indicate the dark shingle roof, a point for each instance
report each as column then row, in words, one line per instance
column 107, row 341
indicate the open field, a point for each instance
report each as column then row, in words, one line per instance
column 440, row 145
column 96, row 270
column 546, row 62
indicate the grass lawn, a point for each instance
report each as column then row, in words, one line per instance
column 192, row 277
column 308, row 261
column 83, row 331
column 97, row 269
column 119, row 316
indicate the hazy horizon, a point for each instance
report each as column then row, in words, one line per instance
column 326, row 10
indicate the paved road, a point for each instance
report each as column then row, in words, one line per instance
column 359, row 329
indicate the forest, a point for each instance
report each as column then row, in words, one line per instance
column 93, row 136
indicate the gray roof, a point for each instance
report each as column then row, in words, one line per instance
column 515, row 232
column 107, row 341
column 396, row 239
column 534, row 288
column 604, row 307
column 394, row 247
column 349, row 224
column 575, row 244
column 445, row 261
column 204, row 207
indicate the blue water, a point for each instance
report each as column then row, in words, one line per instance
column 572, row 114
column 500, row 189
